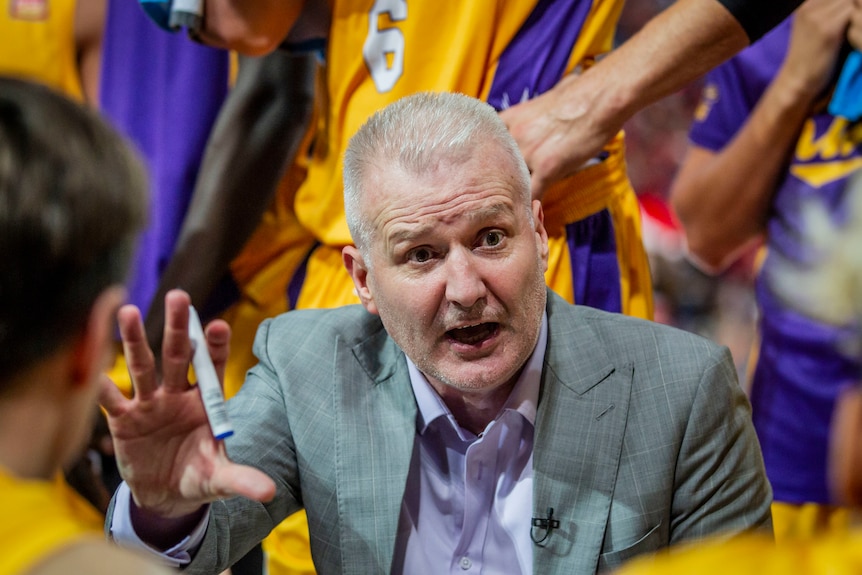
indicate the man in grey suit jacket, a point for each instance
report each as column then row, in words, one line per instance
column 462, row 418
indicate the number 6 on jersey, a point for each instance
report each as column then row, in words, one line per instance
column 384, row 47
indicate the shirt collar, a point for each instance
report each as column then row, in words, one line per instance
column 523, row 399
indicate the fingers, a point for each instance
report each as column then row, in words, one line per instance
column 520, row 127
column 854, row 33
column 176, row 348
column 252, row 483
column 139, row 356
column 110, row 397
column 218, row 342
column 215, row 476
column 537, row 186
column 820, row 24
column 234, row 479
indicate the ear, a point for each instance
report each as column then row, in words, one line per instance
column 541, row 232
column 357, row 269
column 92, row 351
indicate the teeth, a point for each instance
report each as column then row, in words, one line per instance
column 472, row 334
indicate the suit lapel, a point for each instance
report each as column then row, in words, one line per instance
column 580, row 424
column 376, row 425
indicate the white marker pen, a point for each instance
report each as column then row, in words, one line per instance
column 208, row 382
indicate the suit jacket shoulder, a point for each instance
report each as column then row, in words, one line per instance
column 643, row 439
column 329, row 414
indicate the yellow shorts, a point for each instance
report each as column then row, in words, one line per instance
column 794, row 522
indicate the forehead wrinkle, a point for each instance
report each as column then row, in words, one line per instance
column 404, row 232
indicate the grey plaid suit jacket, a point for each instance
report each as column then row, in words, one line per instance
column 643, row 439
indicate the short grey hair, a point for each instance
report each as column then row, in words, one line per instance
column 414, row 134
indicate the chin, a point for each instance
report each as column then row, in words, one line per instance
column 477, row 379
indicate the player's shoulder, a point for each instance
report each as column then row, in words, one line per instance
column 96, row 557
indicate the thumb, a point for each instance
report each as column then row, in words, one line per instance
column 537, row 186
column 233, row 479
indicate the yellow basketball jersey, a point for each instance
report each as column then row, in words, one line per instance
column 382, row 50
column 37, row 41
column 39, row 518
column 836, row 553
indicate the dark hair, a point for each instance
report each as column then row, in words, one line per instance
column 72, row 200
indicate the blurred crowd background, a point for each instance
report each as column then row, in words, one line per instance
column 720, row 307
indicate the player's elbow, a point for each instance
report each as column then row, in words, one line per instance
column 704, row 255
column 687, row 208
column 244, row 41
column 249, row 36
column 706, row 251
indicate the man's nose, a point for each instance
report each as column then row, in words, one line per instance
column 465, row 285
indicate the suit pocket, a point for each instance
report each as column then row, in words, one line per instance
column 652, row 541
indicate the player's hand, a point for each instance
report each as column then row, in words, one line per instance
column 819, row 29
column 854, row 31
column 557, row 133
column 162, row 440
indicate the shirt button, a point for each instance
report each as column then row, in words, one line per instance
column 466, row 563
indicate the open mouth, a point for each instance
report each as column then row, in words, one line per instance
column 473, row 334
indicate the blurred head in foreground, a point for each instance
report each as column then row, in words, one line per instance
column 72, row 200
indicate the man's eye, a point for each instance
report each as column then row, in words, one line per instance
column 491, row 239
column 420, row 255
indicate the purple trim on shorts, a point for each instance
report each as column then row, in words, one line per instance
column 536, row 58
column 593, row 256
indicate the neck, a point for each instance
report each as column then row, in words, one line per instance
column 474, row 410
column 31, row 425
column 25, row 444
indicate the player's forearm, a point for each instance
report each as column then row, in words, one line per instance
column 854, row 31
column 724, row 201
column 89, row 29
column 252, row 27
column 257, row 134
column 677, row 46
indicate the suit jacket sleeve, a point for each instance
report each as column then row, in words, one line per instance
column 720, row 484
column 263, row 439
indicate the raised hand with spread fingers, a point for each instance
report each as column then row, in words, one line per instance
column 165, row 450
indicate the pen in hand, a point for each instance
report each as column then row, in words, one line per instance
column 208, row 383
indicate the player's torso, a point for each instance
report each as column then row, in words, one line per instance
column 39, row 518
column 382, row 50
column 37, row 41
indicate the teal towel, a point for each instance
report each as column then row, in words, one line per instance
column 847, row 98
column 159, row 12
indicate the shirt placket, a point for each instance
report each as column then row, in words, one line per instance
column 480, row 472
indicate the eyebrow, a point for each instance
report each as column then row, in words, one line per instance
column 489, row 212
